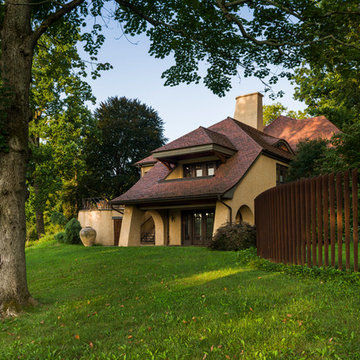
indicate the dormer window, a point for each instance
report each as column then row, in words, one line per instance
column 200, row 169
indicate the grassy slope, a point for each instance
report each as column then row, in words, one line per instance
column 176, row 303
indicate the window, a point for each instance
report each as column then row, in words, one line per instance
column 200, row 169
column 281, row 174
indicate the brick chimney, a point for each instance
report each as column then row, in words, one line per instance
column 248, row 110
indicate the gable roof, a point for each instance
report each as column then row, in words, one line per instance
column 293, row 130
column 248, row 142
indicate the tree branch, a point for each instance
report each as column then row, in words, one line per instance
column 232, row 18
column 52, row 18
column 273, row 42
column 148, row 18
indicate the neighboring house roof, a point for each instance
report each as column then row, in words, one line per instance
column 293, row 131
column 248, row 142
column 200, row 136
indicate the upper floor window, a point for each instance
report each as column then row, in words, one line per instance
column 281, row 174
column 199, row 170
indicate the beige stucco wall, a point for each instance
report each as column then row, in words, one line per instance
column 159, row 227
column 177, row 173
column 260, row 177
column 174, row 227
column 131, row 226
column 101, row 221
column 221, row 216
column 145, row 169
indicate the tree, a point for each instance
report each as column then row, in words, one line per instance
column 306, row 162
column 273, row 111
column 60, row 118
column 127, row 131
column 334, row 93
column 255, row 34
column 344, row 152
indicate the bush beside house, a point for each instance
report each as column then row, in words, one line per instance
column 234, row 237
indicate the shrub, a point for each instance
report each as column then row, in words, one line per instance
column 234, row 237
column 72, row 229
column 60, row 237
column 57, row 218
column 45, row 240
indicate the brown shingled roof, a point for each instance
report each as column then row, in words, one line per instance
column 248, row 142
column 200, row 136
column 148, row 160
column 293, row 131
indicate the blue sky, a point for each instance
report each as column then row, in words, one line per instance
column 183, row 108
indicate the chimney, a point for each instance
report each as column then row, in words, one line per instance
column 248, row 110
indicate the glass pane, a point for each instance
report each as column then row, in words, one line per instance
column 187, row 170
column 199, row 170
column 209, row 225
column 197, row 223
column 210, row 169
column 187, row 227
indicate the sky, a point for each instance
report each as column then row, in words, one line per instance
column 183, row 108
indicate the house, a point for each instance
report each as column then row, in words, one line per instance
column 204, row 179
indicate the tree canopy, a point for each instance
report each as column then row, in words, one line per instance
column 126, row 132
column 273, row 111
column 333, row 93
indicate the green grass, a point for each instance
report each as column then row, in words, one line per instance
column 176, row 303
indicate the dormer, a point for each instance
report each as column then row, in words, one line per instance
column 200, row 143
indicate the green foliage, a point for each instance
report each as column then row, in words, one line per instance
column 234, row 237
column 126, row 131
column 306, row 162
column 273, row 111
column 248, row 257
column 60, row 237
column 330, row 91
column 72, row 229
column 45, row 240
column 256, row 34
column 57, row 218
column 345, row 151
column 60, row 125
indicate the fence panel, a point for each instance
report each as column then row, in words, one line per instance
column 301, row 222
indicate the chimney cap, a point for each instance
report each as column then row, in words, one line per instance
column 255, row 93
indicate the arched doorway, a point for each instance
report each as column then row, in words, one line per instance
column 147, row 230
column 244, row 214
column 152, row 229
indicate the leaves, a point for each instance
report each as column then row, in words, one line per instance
column 126, row 132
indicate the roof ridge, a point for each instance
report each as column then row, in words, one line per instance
column 261, row 133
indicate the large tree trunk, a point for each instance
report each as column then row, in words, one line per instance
column 16, row 62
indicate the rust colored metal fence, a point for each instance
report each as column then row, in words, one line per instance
column 311, row 222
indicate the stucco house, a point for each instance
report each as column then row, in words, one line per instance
column 204, row 179
column 210, row 176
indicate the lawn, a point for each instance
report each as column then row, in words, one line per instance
column 176, row 303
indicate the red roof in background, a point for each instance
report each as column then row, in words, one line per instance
column 200, row 136
column 248, row 142
column 293, row 131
